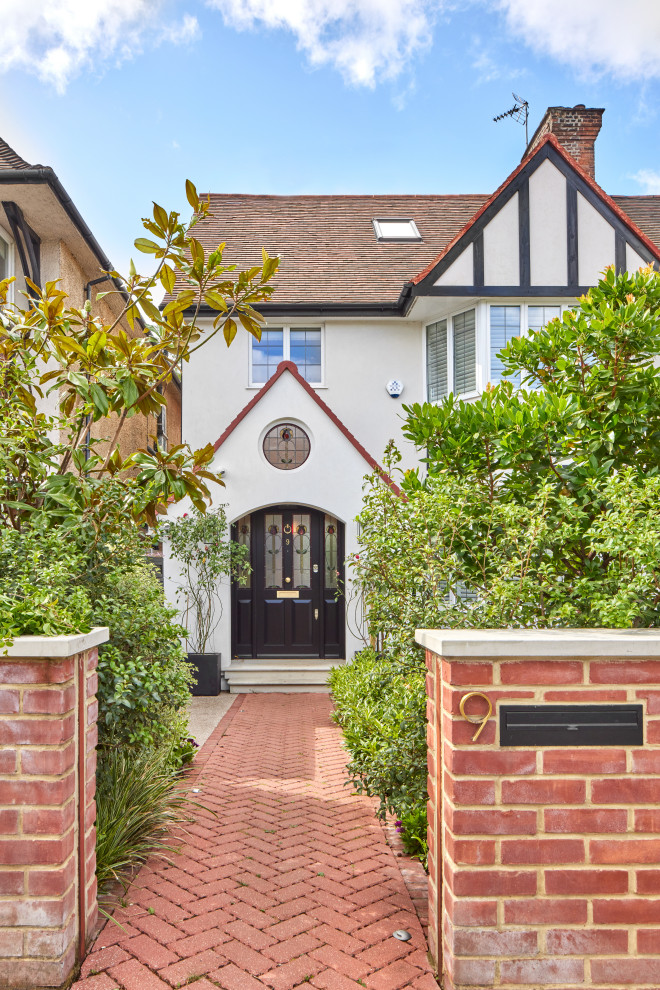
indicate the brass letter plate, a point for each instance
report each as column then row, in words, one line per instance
column 288, row 594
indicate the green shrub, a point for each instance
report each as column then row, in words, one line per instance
column 144, row 691
column 412, row 827
column 538, row 507
column 39, row 595
column 137, row 805
column 144, row 680
column 380, row 704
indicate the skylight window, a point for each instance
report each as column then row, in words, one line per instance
column 396, row 229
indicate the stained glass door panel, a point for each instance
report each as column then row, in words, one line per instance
column 273, row 557
column 242, row 610
column 301, row 544
column 333, row 599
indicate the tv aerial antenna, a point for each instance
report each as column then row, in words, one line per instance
column 519, row 111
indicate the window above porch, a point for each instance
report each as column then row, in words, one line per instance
column 302, row 345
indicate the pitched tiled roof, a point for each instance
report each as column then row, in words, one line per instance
column 9, row 158
column 329, row 250
column 330, row 254
column 644, row 211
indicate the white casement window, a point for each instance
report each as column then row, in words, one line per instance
column 451, row 356
column 437, row 380
column 504, row 326
column 539, row 316
column 302, row 345
column 507, row 322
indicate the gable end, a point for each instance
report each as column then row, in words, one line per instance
column 552, row 240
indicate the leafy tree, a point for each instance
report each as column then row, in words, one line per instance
column 75, row 500
column 539, row 507
column 536, row 474
column 50, row 461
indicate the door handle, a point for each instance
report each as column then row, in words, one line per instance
column 316, row 614
column 287, row 579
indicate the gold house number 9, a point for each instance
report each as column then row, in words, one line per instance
column 479, row 720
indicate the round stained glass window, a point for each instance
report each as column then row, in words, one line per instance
column 286, row 446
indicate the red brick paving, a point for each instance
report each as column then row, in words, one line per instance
column 284, row 881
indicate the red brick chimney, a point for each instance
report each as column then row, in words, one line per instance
column 576, row 128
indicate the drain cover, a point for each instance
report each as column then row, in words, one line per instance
column 402, row 935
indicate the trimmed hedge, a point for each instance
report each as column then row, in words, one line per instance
column 380, row 704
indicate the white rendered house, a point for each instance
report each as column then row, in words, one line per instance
column 380, row 300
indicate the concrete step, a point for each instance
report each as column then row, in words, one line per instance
column 287, row 675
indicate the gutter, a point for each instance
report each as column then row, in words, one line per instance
column 406, row 298
column 319, row 309
column 43, row 174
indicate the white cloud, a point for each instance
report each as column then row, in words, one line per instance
column 593, row 36
column 366, row 40
column 487, row 67
column 56, row 39
column 180, row 32
column 649, row 180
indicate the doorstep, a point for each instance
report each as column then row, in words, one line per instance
column 285, row 675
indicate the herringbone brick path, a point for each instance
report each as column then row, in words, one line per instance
column 291, row 885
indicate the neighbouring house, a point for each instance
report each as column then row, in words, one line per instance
column 43, row 237
column 380, row 300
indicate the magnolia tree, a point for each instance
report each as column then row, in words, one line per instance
column 64, row 369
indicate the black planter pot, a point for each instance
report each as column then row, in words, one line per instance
column 207, row 668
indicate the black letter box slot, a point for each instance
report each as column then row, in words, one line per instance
column 571, row 725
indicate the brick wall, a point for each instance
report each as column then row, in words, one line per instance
column 545, row 862
column 576, row 128
column 48, row 735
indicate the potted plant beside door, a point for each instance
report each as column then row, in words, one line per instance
column 199, row 543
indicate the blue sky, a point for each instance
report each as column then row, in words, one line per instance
column 127, row 98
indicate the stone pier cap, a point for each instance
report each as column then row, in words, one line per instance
column 52, row 647
column 551, row 643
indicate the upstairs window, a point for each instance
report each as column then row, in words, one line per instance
column 266, row 355
column 396, row 229
column 302, row 345
column 451, row 353
column 539, row 316
column 436, row 361
column 161, row 430
column 305, row 352
column 465, row 353
column 507, row 322
column 504, row 326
